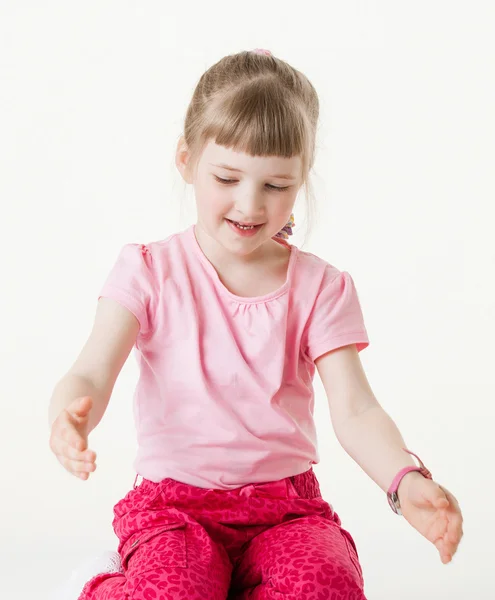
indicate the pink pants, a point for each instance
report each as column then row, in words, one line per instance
column 260, row 541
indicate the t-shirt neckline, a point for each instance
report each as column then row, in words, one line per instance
column 191, row 235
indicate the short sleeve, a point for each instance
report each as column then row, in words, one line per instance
column 337, row 318
column 130, row 282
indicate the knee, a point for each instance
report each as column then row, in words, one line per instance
column 318, row 580
column 167, row 564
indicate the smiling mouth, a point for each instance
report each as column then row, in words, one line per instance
column 244, row 226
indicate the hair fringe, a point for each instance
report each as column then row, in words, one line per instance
column 257, row 104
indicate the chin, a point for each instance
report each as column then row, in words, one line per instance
column 241, row 248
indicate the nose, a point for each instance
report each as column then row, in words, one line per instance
column 250, row 205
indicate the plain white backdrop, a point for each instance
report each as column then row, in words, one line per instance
column 92, row 100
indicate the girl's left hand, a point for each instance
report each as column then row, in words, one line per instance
column 433, row 511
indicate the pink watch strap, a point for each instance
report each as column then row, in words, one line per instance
column 398, row 478
column 392, row 496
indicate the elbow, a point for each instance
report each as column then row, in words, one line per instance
column 358, row 412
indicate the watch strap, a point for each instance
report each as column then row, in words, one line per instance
column 393, row 498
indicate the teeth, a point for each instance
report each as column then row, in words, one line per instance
column 243, row 226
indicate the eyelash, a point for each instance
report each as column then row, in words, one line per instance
column 273, row 187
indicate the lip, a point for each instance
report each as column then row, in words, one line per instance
column 244, row 232
column 244, row 224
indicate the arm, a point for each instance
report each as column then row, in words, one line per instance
column 98, row 365
column 371, row 438
column 363, row 428
column 72, row 386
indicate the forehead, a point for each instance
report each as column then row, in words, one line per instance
column 268, row 165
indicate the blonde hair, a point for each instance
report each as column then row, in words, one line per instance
column 257, row 104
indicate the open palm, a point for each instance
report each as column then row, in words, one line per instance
column 434, row 512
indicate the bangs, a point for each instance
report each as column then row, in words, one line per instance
column 256, row 104
column 257, row 120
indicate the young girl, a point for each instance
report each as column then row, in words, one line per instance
column 230, row 322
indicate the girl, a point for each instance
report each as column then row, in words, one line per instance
column 230, row 322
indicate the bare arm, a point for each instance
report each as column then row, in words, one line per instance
column 365, row 431
column 98, row 365
column 81, row 397
column 73, row 386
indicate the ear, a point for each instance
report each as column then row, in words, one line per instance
column 182, row 159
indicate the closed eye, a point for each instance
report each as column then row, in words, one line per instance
column 230, row 181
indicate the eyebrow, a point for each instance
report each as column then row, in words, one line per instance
column 224, row 166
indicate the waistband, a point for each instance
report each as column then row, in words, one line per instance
column 303, row 485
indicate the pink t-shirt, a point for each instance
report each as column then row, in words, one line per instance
column 225, row 394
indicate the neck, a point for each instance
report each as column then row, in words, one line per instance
column 219, row 257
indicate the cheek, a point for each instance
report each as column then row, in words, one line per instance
column 282, row 208
column 211, row 203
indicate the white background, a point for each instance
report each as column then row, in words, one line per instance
column 93, row 96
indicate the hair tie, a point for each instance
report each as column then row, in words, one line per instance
column 287, row 229
column 262, row 51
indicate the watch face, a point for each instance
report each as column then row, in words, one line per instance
column 393, row 500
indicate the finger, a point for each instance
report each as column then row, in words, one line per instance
column 454, row 527
column 77, row 466
column 440, row 502
column 59, row 443
column 453, row 539
column 438, row 528
column 451, row 514
column 445, row 555
column 69, row 434
column 81, row 406
column 445, row 552
column 67, row 450
column 455, row 519
column 451, row 498
column 436, row 496
column 449, row 547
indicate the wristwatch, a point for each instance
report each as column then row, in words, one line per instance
column 393, row 498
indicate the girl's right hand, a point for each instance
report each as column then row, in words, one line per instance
column 69, row 438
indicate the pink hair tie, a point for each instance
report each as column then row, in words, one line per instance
column 262, row 51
